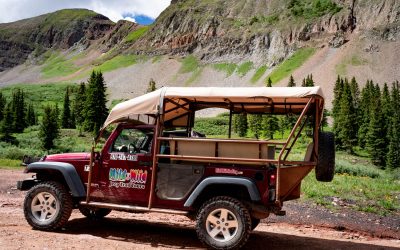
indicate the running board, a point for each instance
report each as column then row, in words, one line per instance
column 129, row 208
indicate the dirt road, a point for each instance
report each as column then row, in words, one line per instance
column 144, row 231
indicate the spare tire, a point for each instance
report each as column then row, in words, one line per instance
column 325, row 169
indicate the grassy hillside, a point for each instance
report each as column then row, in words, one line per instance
column 60, row 20
column 288, row 66
column 40, row 94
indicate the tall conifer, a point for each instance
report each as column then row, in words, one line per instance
column 3, row 102
column 49, row 128
column 255, row 125
column 346, row 120
column 79, row 106
column 337, row 95
column 393, row 155
column 376, row 135
column 18, row 111
column 269, row 82
column 66, row 119
column 291, row 82
column 95, row 106
column 240, row 124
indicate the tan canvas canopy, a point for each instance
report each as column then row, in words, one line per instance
column 176, row 101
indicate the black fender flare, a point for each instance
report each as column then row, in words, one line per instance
column 221, row 180
column 67, row 170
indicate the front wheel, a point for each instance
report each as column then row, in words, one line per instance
column 223, row 223
column 47, row 206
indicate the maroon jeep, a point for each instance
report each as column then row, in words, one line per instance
column 153, row 161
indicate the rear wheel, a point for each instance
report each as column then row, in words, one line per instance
column 94, row 213
column 47, row 206
column 223, row 223
column 325, row 169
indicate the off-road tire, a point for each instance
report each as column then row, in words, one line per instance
column 62, row 202
column 325, row 168
column 234, row 207
column 254, row 223
column 94, row 213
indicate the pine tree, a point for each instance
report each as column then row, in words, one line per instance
column 346, row 120
column 282, row 121
column 3, row 102
column 255, row 125
column 152, row 86
column 393, row 155
column 31, row 116
column 270, row 124
column 269, row 82
column 49, row 130
column 57, row 114
column 18, row 111
column 66, row 119
column 365, row 110
column 304, row 83
column 337, row 94
column 309, row 82
column 79, row 106
column 355, row 94
column 95, row 106
column 386, row 113
column 5, row 125
column 376, row 141
column 240, row 124
column 291, row 82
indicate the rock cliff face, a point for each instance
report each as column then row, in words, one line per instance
column 264, row 31
column 59, row 30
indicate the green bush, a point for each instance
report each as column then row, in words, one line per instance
column 215, row 126
column 312, row 8
column 346, row 167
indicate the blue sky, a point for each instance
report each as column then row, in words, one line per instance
column 141, row 11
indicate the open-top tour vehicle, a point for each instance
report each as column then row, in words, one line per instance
column 153, row 161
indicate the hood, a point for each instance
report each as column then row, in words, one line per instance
column 68, row 157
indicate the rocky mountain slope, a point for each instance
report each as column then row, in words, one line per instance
column 266, row 32
column 209, row 43
column 59, row 30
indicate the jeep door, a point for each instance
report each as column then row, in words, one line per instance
column 125, row 174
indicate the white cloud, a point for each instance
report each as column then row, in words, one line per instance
column 12, row 10
column 128, row 18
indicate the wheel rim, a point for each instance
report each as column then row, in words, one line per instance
column 222, row 225
column 44, row 207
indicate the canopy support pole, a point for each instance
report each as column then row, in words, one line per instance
column 230, row 122
column 280, row 161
